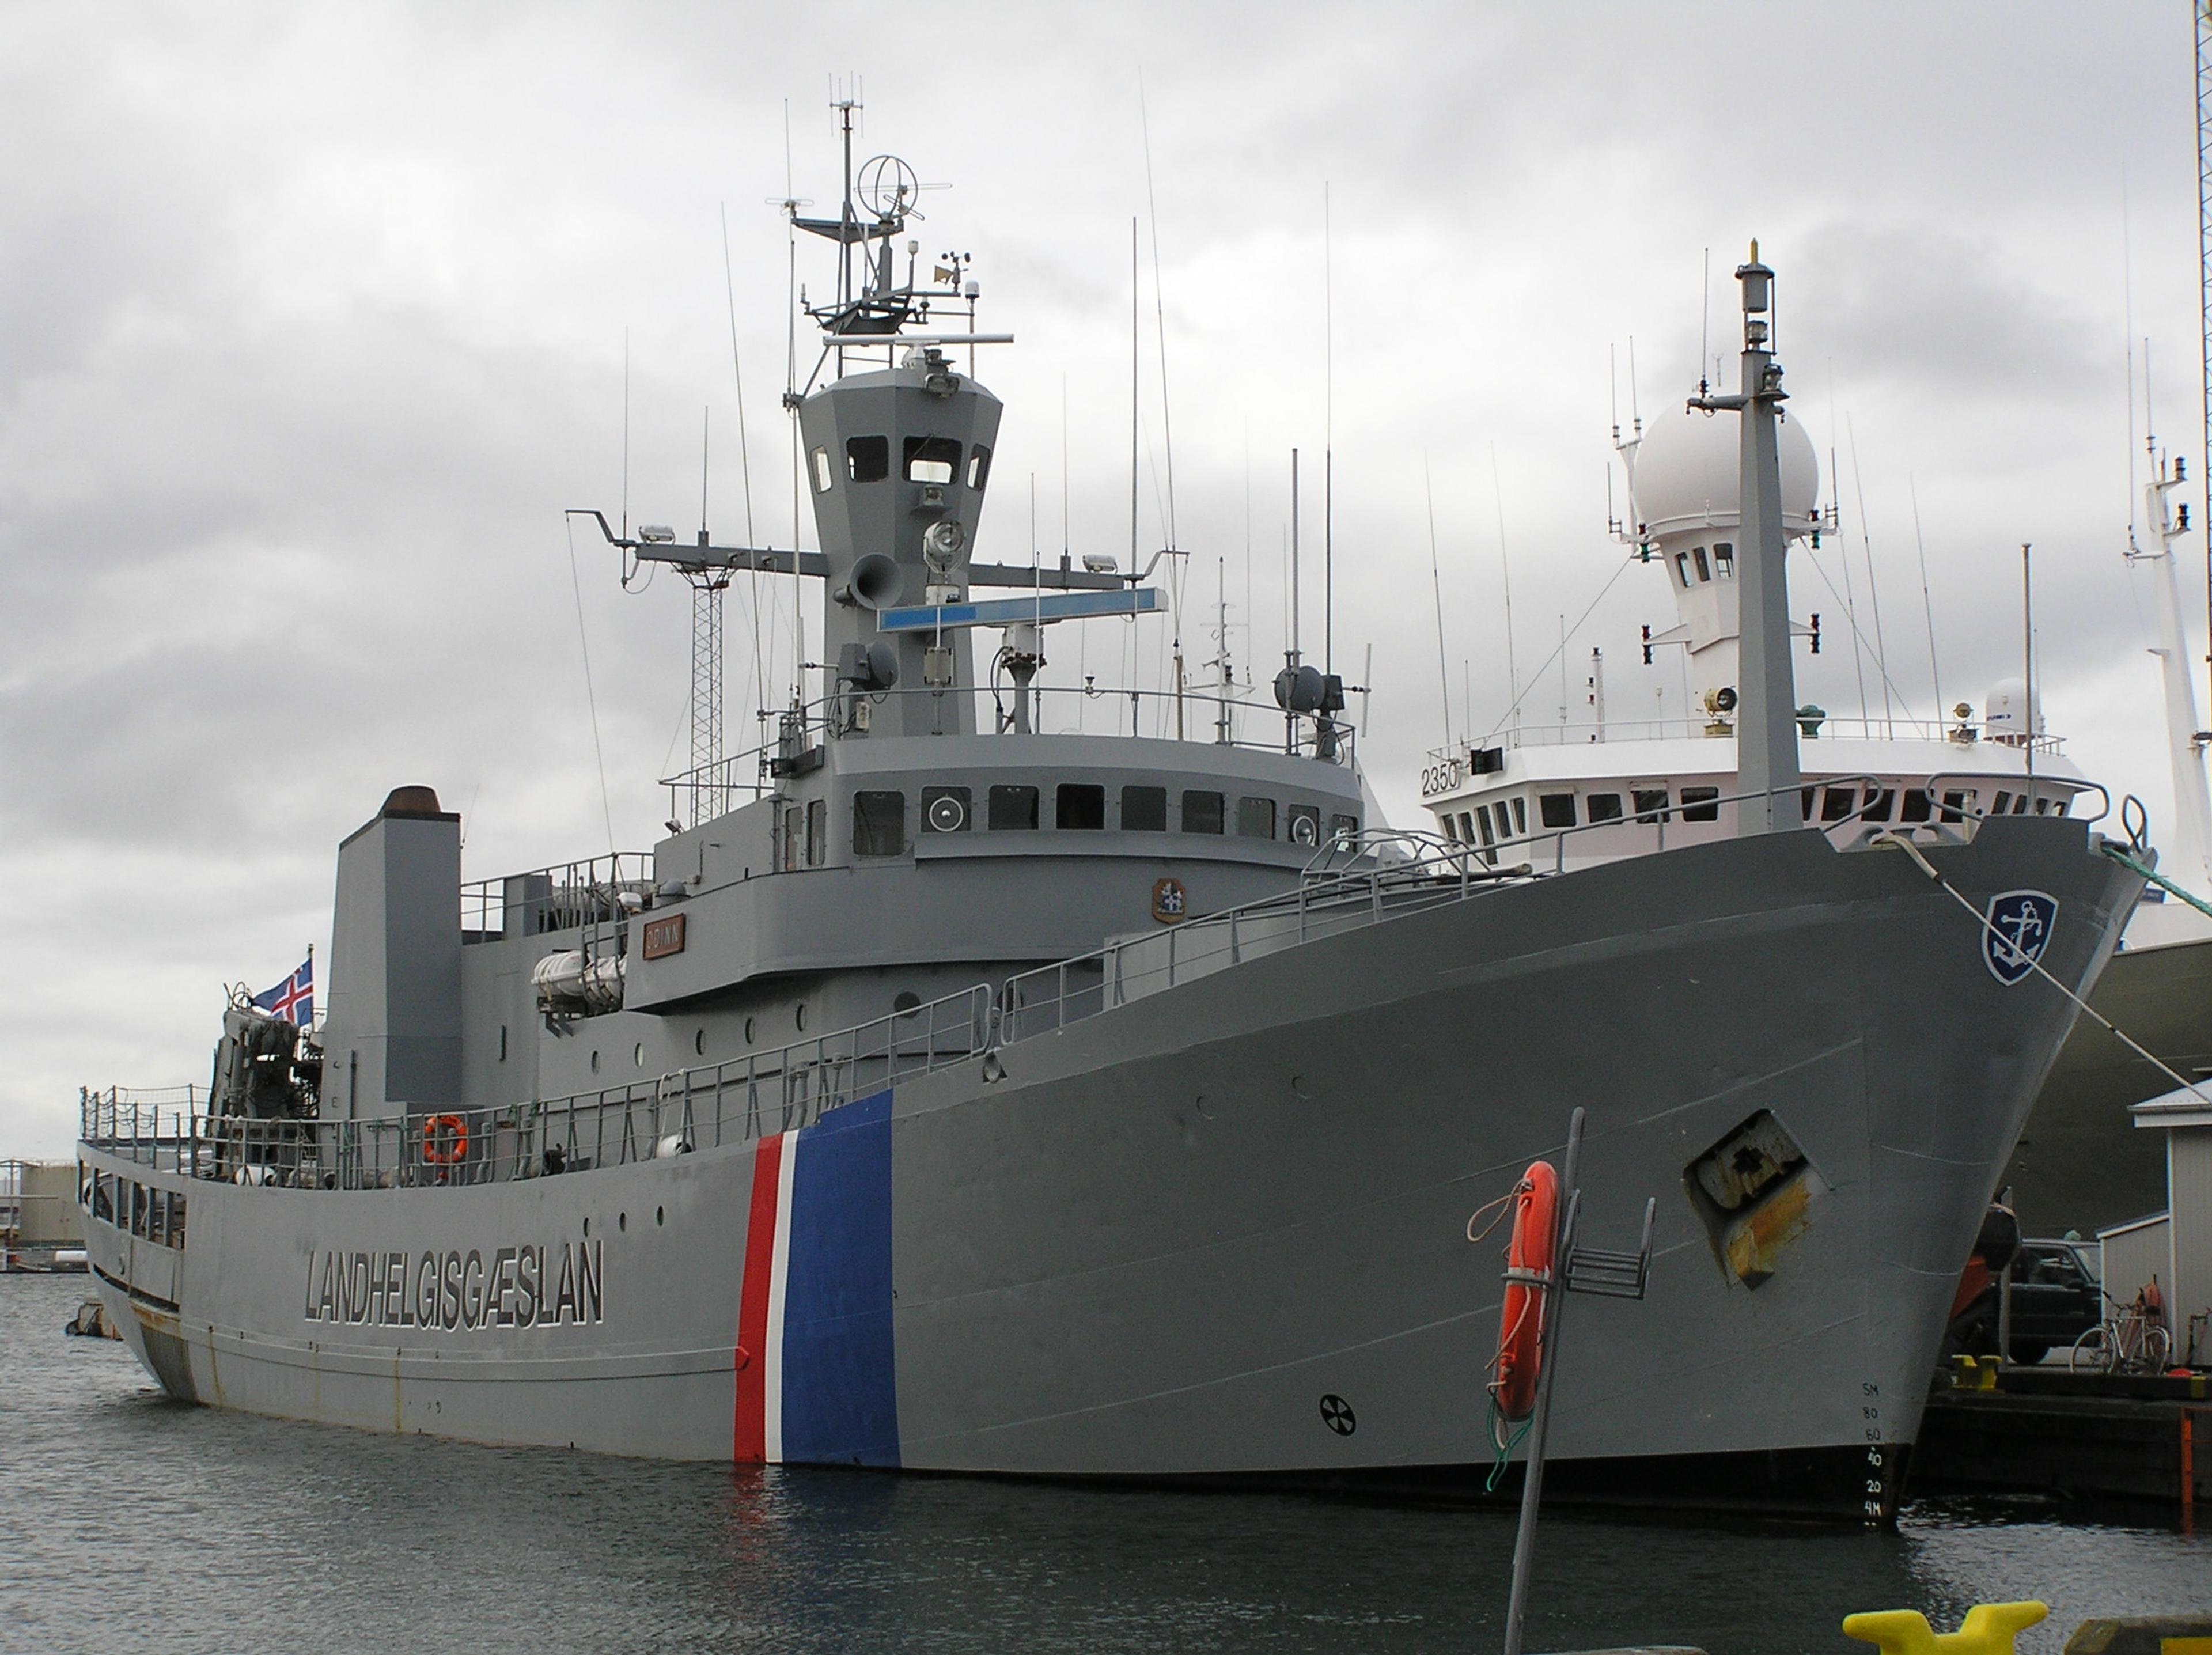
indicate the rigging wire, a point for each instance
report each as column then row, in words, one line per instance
column 1927, row 599
column 1874, row 594
column 1436, row 584
column 756, row 687
column 590, row 695
column 1536, row 678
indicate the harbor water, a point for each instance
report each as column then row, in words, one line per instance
column 136, row 1523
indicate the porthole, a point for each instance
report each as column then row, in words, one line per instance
column 906, row 1000
column 587, row 1229
column 622, row 1222
column 799, row 1016
column 699, row 1042
column 595, row 1063
column 749, row 1032
column 660, row 1215
column 503, row 1042
column 637, row 1054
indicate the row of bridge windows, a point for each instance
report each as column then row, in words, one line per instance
column 1488, row 825
column 146, row 1211
column 922, row 460
column 879, row 816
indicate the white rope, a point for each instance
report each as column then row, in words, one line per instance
column 1892, row 841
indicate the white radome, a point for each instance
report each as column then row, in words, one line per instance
column 1683, row 473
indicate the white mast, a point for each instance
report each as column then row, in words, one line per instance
column 2188, row 847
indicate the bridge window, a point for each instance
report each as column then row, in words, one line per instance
column 1681, row 568
column 868, row 459
column 1144, row 809
column 821, row 471
column 1303, row 824
column 1482, row 822
column 1520, row 814
column 1838, row 803
column 1255, row 819
column 1080, row 805
column 1343, row 828
column 1879, row 802
column 1556, row 810
column 2004, row 806
column 1724, row 560
column 1955, row 802
column 1917, row 806
column 1604, row 807
column 979, row 467
column 1701, row 804
column 1704, row 572
column 818, row 830
column 1451, row 828
column 1651, row 803
column 1202, row 813
column 878, row 823
column 945, row 810
column 1013, row 808
column 931, row 460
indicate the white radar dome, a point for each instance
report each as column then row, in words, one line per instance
column 1684, row 474
column 2005, row 712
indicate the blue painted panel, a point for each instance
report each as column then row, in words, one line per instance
column 840, row 1373
column 1001, row 612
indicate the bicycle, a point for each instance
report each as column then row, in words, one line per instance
column 2133, row 1340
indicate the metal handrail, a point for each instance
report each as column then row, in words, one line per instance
column 561, row 896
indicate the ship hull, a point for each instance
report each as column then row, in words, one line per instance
column 1220, row 1232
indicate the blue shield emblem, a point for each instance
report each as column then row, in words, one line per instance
column 2018, row 931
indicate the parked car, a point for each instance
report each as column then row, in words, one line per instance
column 2056, row 1299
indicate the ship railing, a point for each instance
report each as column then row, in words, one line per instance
column 1964, row 733
column 754, row 1096
column 708, row 790
column 560, row 897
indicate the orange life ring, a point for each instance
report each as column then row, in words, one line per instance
column 445, row 1140
column 1528, row 1278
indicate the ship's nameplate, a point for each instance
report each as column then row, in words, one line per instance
column 664, row 936
column 542, row 1286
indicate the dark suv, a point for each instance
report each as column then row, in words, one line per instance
column 2055, row 1299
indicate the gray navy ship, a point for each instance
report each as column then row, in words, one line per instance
column 976, row 1098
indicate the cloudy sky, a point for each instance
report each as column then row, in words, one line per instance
column 312, row 319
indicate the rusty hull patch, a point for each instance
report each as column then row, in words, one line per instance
column 166, row 1353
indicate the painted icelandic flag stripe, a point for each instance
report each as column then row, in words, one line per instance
column 772, row 1376
column 839, row 1391
column 748, row 1443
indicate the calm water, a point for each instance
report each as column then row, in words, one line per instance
column 133, row 1523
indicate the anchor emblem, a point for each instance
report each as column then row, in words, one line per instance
column 2018, row 930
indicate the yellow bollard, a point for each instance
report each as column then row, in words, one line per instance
column 1988, row 1630
column 1989, row 1382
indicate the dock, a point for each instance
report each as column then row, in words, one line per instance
column 2081, row 1437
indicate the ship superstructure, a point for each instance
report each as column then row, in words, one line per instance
column 978, row 1098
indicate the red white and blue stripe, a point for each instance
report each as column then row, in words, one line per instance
column 817, row 1380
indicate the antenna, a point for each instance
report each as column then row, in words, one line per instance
column 1635, row 413
column 2203, row 11
column 1704, row 322
column 1327, row 440
column 1874, row 592
column 757, row 686
column 2027, row 654
column 1927, row 602
column 1167, row 414
column 1436, row 583
column 625, row 509
column 1506, row 580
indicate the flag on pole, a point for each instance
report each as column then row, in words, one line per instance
column 294, row 999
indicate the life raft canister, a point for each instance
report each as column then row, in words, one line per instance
column 445, row 1140
column 1528, row 1278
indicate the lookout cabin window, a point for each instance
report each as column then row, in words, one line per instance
column 1955, row 800
column 1880, row 801
column 1701, row 804
column 1013, row 808
column 1704, row 570
column 1255, row 819
column 1520, row 815
column 1451, row 827
column 1144, row 809
column 1081, row 805
column 979, row 467
column 931, row 460
column 1681, row 568
column 1202, row 813
column 878, row 823
column 1724, row 560
column 1482, row 822
column 821, row 471
column 1556, row 810
column 817, row 829
column 868, row 459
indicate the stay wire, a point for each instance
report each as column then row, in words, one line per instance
column 591, row 696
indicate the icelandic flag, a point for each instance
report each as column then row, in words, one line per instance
column 294, row 999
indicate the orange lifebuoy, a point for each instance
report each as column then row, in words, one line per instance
column 445, row 1140
column 1528, row 1278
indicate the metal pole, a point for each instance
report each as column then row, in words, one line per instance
column 2027, row 658
column 1548, row 1346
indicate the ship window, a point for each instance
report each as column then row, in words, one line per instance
column 1013, row 807
column 176, row 1219
column 1954, row 805
column 979, row 467
column 699, row 1042
column 1081, row 804
column 138, row 1209
column 1916, row 806
column 798, row 1017
column 1604, row 807
column 817, row 831
column 1723, row 559
column 1705, row 571
column 2003, row 804
column 503, row 1042
column 1343, row 828
column 1202, row 813
column 1651, row 803
column 157, row 1216
column 2020, row 805
column 1520, row 815
column 637, row 1055
column 1255, row 819
column 2059, row 807
column 595, row 1063
column 1482, row 824
column 1837, row 803
column 868, row 459
column 821, row 471
column 749, row 1032
column 945, row 810
column 1701, row 804
column 1466, row 827
column 1682, row 564
column 906, row 1000
column 1879, row 802
column 1144, row 809
column 1556, row 809
column 103, row 1195
column 1451, row 827
column 1805, row 804
column 931, row 460
column 878, row 823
